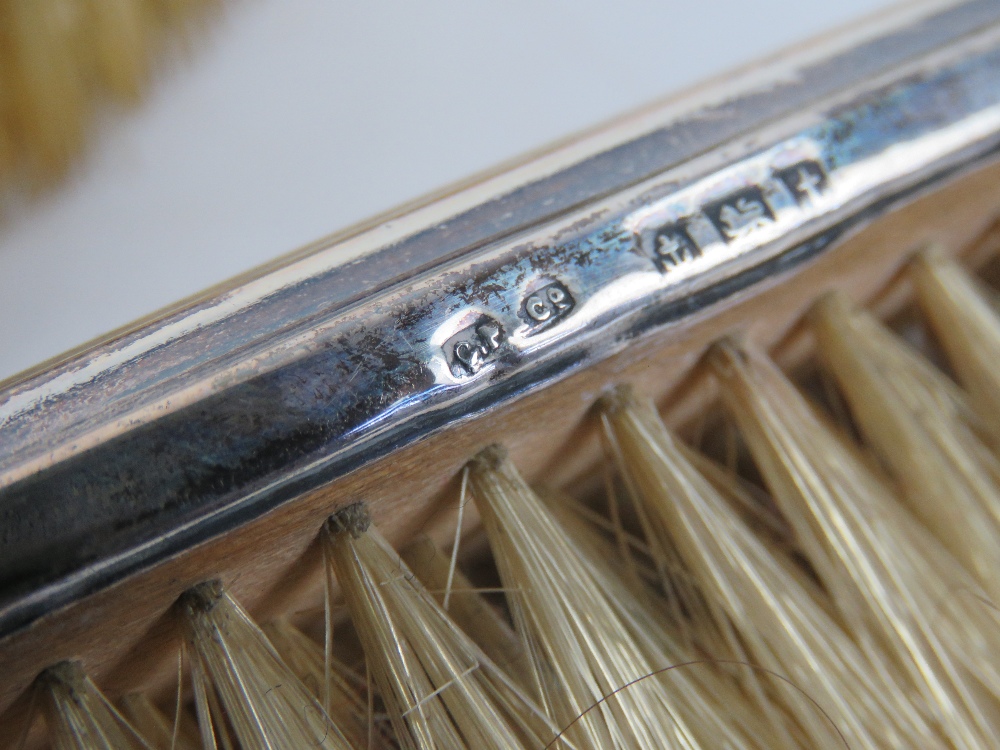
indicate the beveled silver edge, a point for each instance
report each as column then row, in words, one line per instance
column 173, row 362
column 494, row 323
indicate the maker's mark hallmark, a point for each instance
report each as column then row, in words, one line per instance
column 469, row 350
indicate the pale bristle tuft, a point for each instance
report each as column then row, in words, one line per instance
column 60, row 58
column 79, row 717
column 622, row 396
column 831, row 691
column 602, row 661
column 353, row 519
column 264, row 703
column 155, row 727
column 963, row 315
column 469, row 609
column 916, row 421
column 898, row 590
column 441, row 691
column 490, row 457
column 345, row 705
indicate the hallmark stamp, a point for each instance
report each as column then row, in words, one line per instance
column 805, row 180
column 673, row 245
column 740, row 213
column 474, row 346
column 723, row 213
column 546, row 305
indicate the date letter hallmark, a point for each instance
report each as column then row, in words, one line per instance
column 544, row 306
column 805, row 180
column 469, row 350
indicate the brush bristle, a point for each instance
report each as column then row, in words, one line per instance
column 831, row 585
column 963, row 315
column 79, row 717
column 440, row 689
column 895, row 585
column 780, row 615
column 468, row 609
column 159, row 731
column 570, row 609
column 233, row 664
column 327, row 680
column 59, row 59
column 918, row 424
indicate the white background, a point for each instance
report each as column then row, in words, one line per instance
column 294, row 118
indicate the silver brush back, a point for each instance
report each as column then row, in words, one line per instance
column 189, row 426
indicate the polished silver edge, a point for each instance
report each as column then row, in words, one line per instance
column 189, row 355
column 86, row 502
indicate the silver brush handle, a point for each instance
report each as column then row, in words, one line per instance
column 191, row 425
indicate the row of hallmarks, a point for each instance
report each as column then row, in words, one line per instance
column 720, row 211
column 736, row 215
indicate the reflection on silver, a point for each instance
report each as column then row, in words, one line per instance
column 201, row 421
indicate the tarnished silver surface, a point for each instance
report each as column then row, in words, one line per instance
column 196, row 423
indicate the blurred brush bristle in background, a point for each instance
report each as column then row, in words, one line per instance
column 62, row 61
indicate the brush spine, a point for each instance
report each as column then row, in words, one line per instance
column 189, row 456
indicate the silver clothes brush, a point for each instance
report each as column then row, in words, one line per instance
column 213, row 441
